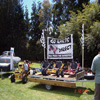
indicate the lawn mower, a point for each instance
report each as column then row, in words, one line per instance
column 19, row 74
column 51, row 68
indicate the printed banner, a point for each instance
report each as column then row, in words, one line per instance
column 60, row 48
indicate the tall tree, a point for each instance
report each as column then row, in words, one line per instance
column 90, row 16
column 45, row 14
column 27, row 23
column 35, row 33
column 61, row 10
column 11, row 26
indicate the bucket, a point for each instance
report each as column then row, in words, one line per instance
column 31, row 72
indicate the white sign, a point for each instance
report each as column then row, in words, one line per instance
column 60, row 48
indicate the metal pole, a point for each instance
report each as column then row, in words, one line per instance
column 82, row 46
column 11, row 60
column 44, row 53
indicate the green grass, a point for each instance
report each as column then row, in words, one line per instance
column 35, row 91
column 33, row 65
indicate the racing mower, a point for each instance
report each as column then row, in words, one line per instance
column 89, row 75
column 19, row 74
column 72, row 69
column 53, row 69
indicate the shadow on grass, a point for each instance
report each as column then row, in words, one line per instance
column 18, row 82
column 90, row 92
column 64, row 90
column 5, row 75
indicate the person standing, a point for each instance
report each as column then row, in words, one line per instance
column 95, row 67
column 25, row 66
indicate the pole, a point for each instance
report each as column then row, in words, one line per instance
column 44, row 53
column 82, row 46
column 43, row 42
column 11, row 60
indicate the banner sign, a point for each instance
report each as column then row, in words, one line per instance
column 60, row 48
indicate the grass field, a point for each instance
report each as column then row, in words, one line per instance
column 35, row 91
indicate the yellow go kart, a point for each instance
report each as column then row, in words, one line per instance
column 56, row 68
column 19, row 74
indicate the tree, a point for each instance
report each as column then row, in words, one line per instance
column 45, row 14
column 61, row 10
column 34, row 34
column 27, row 23
column 90, row 16
column 12, row 26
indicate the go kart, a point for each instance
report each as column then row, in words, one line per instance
column 45, row 66
column 53, row 69
column 72, row 70
column 19, row 74
column 89, row 75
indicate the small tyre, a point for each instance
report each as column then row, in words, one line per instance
column 43, row 71
column 24, row 79
column 48, row 87
column 62, row 73
column 12, row 78
column 57, row 73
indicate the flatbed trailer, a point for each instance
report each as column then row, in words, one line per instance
column 52, row 80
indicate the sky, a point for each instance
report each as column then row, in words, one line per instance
column 29, row 4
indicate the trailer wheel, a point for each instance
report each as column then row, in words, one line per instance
column 57, row 73
column 48, row 87
column 24, row 79
column 12, row 78
column 62, row 73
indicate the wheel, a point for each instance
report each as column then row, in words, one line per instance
column 62, row 73
column 43, row 71
column 57, row 73
column 48, row 87
column 12, row 78
column 24, row 79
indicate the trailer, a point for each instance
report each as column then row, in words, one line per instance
column 52, row 80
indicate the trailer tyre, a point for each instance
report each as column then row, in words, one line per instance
column 62, row 73
column 57, row 73
column 24, row 79
column 12, row 78
column 48, row 87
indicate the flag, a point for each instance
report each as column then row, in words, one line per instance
column 42, row 39
column 82, row 37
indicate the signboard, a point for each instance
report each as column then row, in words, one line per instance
column 60, row 48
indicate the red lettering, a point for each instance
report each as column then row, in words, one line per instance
column 75, row 91
column 79, row 91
